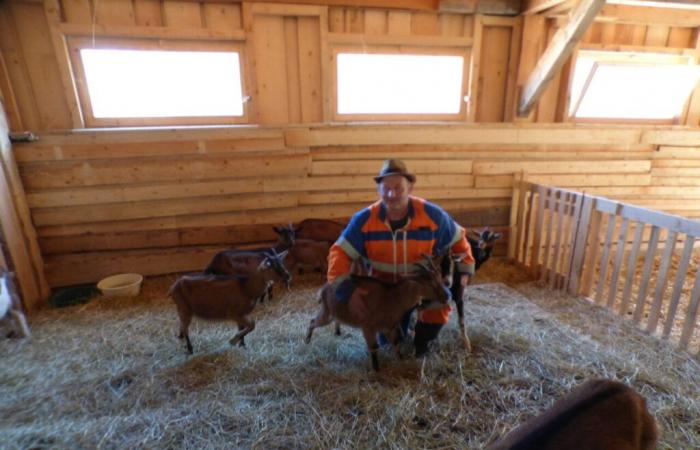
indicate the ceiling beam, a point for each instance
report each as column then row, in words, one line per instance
column 537, row 6
column 561, row 46
column 490, row 7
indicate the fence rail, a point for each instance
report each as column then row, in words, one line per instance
column 609, row 252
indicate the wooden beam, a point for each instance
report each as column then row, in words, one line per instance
column 556, row 53
column 537, row 6
column 17, row 228
column 491, row 7
column 636, row 15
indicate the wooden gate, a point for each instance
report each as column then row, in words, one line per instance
column 607, row 251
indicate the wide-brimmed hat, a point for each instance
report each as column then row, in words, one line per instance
column 394, row 167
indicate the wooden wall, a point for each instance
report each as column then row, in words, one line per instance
column 164, row 201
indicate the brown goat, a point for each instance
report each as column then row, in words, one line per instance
column 10, row 304
column 385, row 304
column 225, row 297
column 240, row 262
column 598, row 415
column 308, row 254
column 314, row 229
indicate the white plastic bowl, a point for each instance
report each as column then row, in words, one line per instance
column 122, row 285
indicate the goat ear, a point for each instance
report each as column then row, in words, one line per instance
column 497, row 236
column 278, row 230
column 475, row 233
column 282, row 255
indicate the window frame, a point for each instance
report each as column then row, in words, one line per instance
column 75, row 44
column 461, row 116
column 627, row 58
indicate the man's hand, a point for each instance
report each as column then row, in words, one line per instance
column 464, row 280
column 358, row 305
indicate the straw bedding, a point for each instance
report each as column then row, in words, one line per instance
column 111, row 374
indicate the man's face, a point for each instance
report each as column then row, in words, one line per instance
column 394, row 191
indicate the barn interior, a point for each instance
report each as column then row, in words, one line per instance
column 569, row 126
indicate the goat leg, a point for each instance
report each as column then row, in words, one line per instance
column 322, row 319
column 21, row 322
column 372, row 346
column 245, row 326
column 185, row 320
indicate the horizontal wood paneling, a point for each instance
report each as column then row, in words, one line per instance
column 98, row 196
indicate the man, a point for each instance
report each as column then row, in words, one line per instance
column 393, row 234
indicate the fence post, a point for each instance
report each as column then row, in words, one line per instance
column 513, row 224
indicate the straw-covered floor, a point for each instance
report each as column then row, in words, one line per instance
column 112, row 374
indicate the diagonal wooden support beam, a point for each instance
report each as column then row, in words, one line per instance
column 556, row 53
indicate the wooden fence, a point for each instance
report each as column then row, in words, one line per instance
column 610, row 252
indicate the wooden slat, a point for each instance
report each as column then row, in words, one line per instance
column 27, row 153
column 522, row 210
column 151, row 31
column 221, row 16
column 182, row 14
column 655, row 310
column 76, row 11
column 513, row 219
column 552, row 167
column 148, row 13
column 579, row 246
column 681, row 274
column 114, row 12
column 646, row 272
column 292, row 64
column 550, row 205
column 539, row 223
column 472, row 98
column 631, row 268
column 561, row 210
column 161, row 208
column 372, row 167
column 571, row 222
column 527, row 228
column 96, row 173
column 605, row 258
column 691, row 313
column 271, row 97
column 311, row 76
column 495, row 55
column 619, row 257
column 592, row 246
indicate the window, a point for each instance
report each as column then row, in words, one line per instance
column 401, row 86
column 152, row 86
column 636, row 87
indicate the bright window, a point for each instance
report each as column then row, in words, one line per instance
column 399, row 84
column 634, row 87
column 155, row 83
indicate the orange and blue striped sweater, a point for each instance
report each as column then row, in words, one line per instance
column 394, row 254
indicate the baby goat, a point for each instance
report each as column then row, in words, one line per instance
column 10, row 305
column 384, row 303
column 598, row 415
column 314, row 229
column 225, row 297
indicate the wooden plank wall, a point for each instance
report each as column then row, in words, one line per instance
column 160, row 202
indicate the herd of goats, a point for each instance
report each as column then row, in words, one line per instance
column 598, row 415
column 236, row 280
